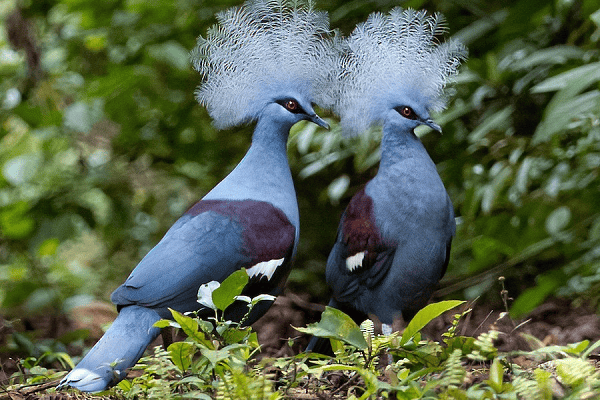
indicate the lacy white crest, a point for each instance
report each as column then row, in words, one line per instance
column 388, row 56
column 260, row 50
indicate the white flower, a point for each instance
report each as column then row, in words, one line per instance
column 205, row 294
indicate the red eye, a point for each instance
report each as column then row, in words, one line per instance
column 291, row 105
column 408, row 112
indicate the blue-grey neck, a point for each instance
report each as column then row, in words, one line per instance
column 264, row 173
column 407, row 191
column 399, row 144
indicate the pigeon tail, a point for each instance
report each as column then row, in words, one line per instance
column 119, row 349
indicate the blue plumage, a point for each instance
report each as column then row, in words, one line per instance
column 393, row 241
column 250, row 219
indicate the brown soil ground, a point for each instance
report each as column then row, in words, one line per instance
column 554, row 322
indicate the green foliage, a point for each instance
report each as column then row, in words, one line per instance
column 427, row 369
column 425, row 315
column 214, row 358
column 210, row 364
column 334, row 324
column 102, row 147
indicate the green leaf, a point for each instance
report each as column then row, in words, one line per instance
column 236, row 335
column 574, row 371
column 165, row 323
column 567, row 103
column 181, row 354
column 22, row 169
column 586, row 75
column 553, row 55
column 215, row 356
column 579, row 347
column 498, row 121
column 15, row 221
column 425, row 315
column 334, row 324
column 560, row 113
column 125, row 385
column 171, row 53
column 338, row 187
column 496, row 375
column 530, row 298
column 189, row 326
column 224, row 295
column 558, row 220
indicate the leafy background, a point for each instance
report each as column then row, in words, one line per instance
column 102, row 147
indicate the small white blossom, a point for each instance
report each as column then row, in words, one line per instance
column 205, row 294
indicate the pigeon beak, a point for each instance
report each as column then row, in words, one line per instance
column 318, row 120
column 429, row 122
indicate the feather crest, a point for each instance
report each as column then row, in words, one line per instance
column 258, row 51
column 391, row 55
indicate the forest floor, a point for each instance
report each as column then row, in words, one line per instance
column 555, row 322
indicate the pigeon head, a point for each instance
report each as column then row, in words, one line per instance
column 393, row 70
column 288, row 108
column 265, row 59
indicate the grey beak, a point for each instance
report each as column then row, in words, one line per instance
column 318, row 120
column 429, row 122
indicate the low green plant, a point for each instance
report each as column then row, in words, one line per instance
column 429, row 369
column 217, row 361
column 215, row 356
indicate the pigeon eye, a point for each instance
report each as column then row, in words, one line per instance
column 291, row 105
column 407, row 112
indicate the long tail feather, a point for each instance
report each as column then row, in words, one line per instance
column 120, row 348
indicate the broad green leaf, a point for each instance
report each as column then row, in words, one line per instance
column 334, row 324
column 579, row 347
column 181, row 354
column 337, row 188
column 225, row 294
column 22, row 169
column 425, row 315
column 235, row 335
column 558, row 116
column 496, row 375
column 544, row 382
column 172, row 53
column 15, row 221
column 215, row 356
column 165, row 323
column 584, row 75
column 591, row 348
column 322, row 163
column 530, row 298
column 498, row 121
column 189, row 326
column 125, row 385
column 553, row 55
column 567, row 103
column 558, row 220
column 64, row 359
column 495, row 188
